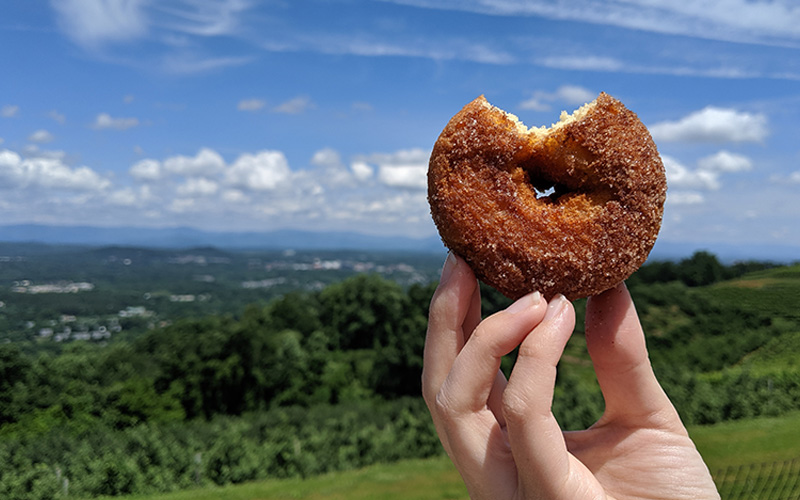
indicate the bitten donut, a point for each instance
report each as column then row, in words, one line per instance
column 572, row 209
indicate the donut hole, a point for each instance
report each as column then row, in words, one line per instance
column 544, row 193
column 545, row 190
column 551, row 194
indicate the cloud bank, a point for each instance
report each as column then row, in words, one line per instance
column 255, row 190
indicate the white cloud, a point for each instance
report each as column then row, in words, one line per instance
column 791, row 178
column 329, row 172
column 685, row 198
column 59, row 117
column 361, row 170
column 206, row 171
column 105, row 121
column 92, row 22
column 294, row 106
column 255, row 190
column 187, row 62
column 404, row 156
column 146, row 170
column 234, row 196
column 205, row 163
column 183, row 205
column 43, row 172
column 725, row 161
column 405, row 169
column 123, row 197
column 713, row 124
column 582, row 63
column 41, row 136
column 198, row 186
column 173, row 29
column 775, row 22
column 568, row 94
column 326, row 157
column 679, row 176
column 404, row 176
column 9, row 111
column 251, row 104
column 205, row 19
column 263, row 171
column 686, row 184
column 9, row 163
column 178, row 34
column 535, row 103
column 574, row 94
column 440, row 49
column 33, row 151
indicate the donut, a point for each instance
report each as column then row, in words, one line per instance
column 573, row 209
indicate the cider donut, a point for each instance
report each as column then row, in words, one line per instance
column 572, row 209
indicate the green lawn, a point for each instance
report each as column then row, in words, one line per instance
column 750, row 441
column 722, row 445
column 424, row 479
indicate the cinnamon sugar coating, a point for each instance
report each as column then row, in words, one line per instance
column 573, row 209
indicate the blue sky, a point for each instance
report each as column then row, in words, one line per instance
column 258, row 115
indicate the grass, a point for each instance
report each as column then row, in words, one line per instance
column 722, row 445
column 765, row 291
column 776, row 293
column 742, row 442
column 421, row 479
column 781, row 353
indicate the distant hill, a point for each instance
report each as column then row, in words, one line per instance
column 185, row 237
column 776, row 294
column 727, row 252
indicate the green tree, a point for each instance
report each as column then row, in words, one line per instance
column 195, row 359
column 135, row 401
column 702, row 268
column 362, row 312
column 295, row 311
column 398, row 368
column 14, row 368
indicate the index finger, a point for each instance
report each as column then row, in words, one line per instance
column 452, row 313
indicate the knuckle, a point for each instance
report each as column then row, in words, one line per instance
column 528, row 351
column 483, row 336
column 514, row 406
column 443, row 406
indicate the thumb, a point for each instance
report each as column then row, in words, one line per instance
column 616, row 344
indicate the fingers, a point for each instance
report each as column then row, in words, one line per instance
column 467, row 403
column 617, row 347
column 537, row 443
column 474, row 372
column 452, row 310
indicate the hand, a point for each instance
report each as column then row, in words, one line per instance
column 502, row 436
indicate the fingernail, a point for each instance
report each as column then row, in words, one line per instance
column 450, row 264
column 524, row 303
column 555, row 306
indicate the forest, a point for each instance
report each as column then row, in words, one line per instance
column 317, row 379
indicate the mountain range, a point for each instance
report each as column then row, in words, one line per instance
column 186, row 237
